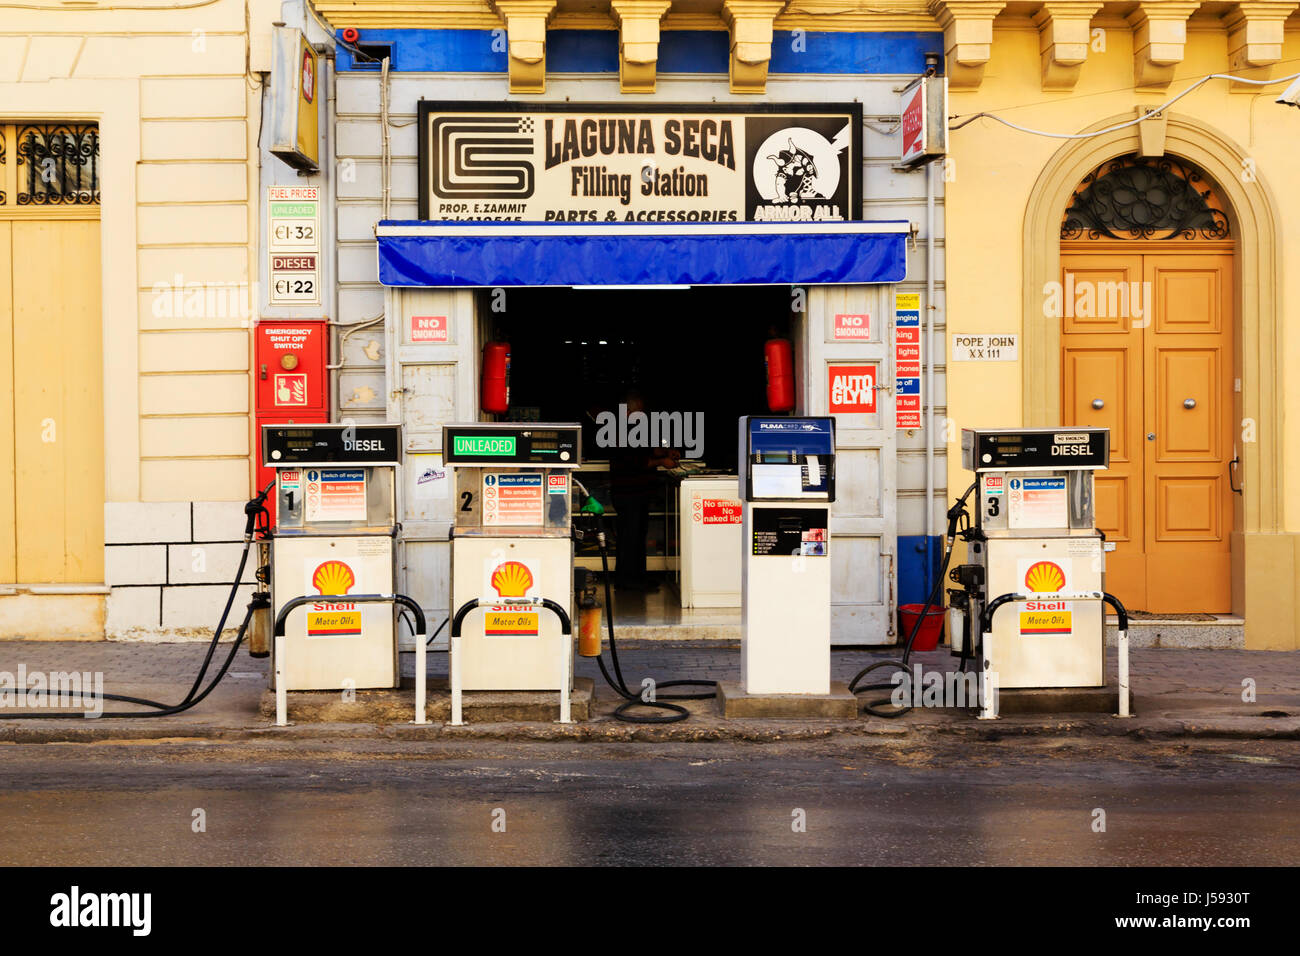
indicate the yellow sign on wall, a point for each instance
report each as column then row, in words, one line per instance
column 308, row 87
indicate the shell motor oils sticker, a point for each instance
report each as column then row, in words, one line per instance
column 330, row 618
column 1045, row 576
column 511, row 579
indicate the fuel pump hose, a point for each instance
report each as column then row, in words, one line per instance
column 255, row 509
column 874, row 707
column 675, row 712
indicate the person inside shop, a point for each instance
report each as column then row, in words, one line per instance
column 634, row 482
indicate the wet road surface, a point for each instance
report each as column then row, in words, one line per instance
column 1026, row 802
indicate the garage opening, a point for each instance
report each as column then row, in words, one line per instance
column 659, row 379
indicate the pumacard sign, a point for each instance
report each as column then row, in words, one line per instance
column 557, row 162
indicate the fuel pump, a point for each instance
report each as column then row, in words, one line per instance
column 512, row 557
column 1036, row 554
column 333, row 553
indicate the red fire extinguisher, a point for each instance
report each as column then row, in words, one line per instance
column 778, row 356
column 494, row 393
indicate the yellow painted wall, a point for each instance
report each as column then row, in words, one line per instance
column 993, row 172
column 178, row 113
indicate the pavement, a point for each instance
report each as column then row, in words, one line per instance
column 1178, row 694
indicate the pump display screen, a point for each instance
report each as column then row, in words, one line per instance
column 331, row 445
column 556, row 446
column 1017, row 450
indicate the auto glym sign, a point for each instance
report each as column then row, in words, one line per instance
column 706, row 162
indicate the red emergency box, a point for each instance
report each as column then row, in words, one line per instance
column 290, row 359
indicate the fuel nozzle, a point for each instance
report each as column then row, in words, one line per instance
column 590, row 506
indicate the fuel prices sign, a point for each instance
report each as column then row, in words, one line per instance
column 293, row 242
column 699, row 162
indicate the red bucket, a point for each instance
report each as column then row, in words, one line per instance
column 927, row 639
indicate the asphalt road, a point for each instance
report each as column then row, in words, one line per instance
column 1020, row 802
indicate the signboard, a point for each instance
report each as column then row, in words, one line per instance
column 555, row 446
column 293, row 242
column 336, row 494
column 1042, row 576
column 717, row 511
column 852, row 389
column 852, row 328
column 699, row 162
column 293, row 280
column 428, row 328
column 907, row 360
column 331, row 444
column 923, row 115
column 513, row 500
column 291, row 115
column 800, row 532
column 327, row 619
column 1037, row 503
column 985, row 348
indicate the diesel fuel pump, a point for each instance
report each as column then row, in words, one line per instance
column 1035, row 554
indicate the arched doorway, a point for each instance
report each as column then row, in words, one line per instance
column 1147, row 330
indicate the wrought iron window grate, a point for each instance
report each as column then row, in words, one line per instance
column 49, row 164
column 1135, row 197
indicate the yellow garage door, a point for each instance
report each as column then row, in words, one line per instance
column 52, row 456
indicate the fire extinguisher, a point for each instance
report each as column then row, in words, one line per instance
column 778, row 356
column 494, row 394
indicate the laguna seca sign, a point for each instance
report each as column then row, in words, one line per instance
column 695, row 162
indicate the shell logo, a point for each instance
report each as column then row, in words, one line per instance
column 512, row 579
column 1044, row 577
column 333, row 577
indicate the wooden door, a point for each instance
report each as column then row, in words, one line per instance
column 1188, row 384
column 1101, row 387
column 1146, row 352
column 52, row 520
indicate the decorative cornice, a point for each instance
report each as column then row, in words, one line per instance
column 967, row 38
column 750, row 22
column 638, row 42
column 1159, row 38
column 1064, row 32
column 1255, row 36
column 526, row 22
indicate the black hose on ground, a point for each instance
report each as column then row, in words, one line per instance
column 676, row 712
column 258, row 521
column 873, row 706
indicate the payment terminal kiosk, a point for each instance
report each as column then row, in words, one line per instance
column 787, row 483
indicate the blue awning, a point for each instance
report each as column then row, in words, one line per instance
column 463, row 254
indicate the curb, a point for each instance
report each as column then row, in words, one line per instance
column 608, row 731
